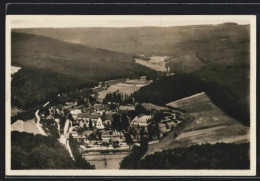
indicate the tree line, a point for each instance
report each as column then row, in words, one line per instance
column 30, row 151
column 228, row 88
column 206, row 156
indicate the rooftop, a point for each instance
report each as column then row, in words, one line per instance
column 87, row 115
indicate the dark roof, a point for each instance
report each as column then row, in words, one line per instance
column 107, row 117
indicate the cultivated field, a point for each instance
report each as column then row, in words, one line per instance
column 209, row 125
column 124, row 87
column 156, row 63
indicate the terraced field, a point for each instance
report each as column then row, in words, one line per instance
column 209, row 124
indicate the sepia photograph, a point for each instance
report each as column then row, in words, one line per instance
column 117, row 95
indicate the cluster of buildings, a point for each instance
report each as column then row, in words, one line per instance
column 169, row 121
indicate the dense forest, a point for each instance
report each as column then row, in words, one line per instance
column 206, row 156
column 32, row 87
column 131, row 161
column 168, row 89
column 30, row 151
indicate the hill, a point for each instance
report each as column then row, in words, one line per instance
column 50, row 66
column 71, row 59
column 205, row 156
column 227, row 86
column 209, row 124
column 30, row 151
column 195, row 45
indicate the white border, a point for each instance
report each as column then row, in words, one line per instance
column 251, row 172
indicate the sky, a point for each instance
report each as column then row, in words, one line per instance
column 56, row 21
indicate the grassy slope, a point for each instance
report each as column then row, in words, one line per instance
column 209, row 124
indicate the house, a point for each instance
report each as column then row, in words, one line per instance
column 99, row 124
column 126, row 108
column 74, row 113
column 70, row 104
column 107, row 120
column 97, row 108
column 86, row 117
column 141, row 121
column 98, row 121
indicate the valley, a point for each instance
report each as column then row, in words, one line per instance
column 116, row 97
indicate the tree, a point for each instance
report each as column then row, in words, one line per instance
column 116, row 122
column 158, row 116
column 112, row 106
column 131, row 114
column 80, row 131
column 128, row 139
column 30, row 151
column 124, row 121
column 140, row 109
column 143, row 144
column 80, row 101
column 150, row 131
column 90, row 124
column 50, row 127
column 115, row 144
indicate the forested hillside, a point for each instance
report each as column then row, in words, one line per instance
column 51, row 66
column 71, row 59
column 32, row 87
column 30, row 151
column 227, row 87
column 206, row 156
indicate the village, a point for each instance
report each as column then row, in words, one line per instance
column 113, row 123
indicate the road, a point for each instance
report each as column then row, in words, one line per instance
column 62, row 139
column 38, row 123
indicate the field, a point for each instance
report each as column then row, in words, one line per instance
column 209, row 125
column 125, row 87
column 156, row 63
column 28, row 126
column 14, row 69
